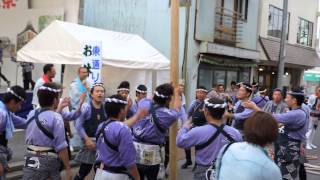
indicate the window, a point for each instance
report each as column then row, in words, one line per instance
column 305, row 32
column 275, row 22
column 242, row 9
column 231, row 76
column 205, row 78
column 219, row 77
column 209, row 75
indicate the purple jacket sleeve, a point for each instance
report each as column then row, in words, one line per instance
column 59, row 140
column 2, row 121
column 290, row 117
column 191, row 108
column 182, row 114
column 243, row 115
column 71, row 116
column 19, row 123
column 188, row 138
column 85, row 113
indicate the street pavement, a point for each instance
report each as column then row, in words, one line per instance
column 18, row 146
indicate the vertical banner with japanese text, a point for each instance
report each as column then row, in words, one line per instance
column 92, row 53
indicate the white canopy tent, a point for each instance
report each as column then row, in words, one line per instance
column 125, row 56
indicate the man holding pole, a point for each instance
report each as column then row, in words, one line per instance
column 149, row 132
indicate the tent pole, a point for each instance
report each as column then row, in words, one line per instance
column 174, row 79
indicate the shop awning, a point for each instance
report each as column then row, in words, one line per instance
column 305, row 57
column 227, row 61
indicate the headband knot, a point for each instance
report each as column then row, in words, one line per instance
column 263, row 91
column 160, row 95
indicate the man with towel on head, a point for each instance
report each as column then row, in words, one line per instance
column 92, row 114
column 208, row 139
column 149, row 133
column 45, row 138
column 241, row 113
column 261, row 99
column 11, row 103
column 124, row 91
column 116, row 154
column 293, row 127
column 195, row 112
column 141, row 93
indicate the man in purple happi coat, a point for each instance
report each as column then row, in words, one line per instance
column 208, row 139
column 45, row 138
column 149, row 133
column 11, row 102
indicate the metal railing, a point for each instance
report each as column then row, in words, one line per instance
column 228, row 26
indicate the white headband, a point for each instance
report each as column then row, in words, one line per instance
column 160, row 95
column 50, row 89
column 265, row 90
column 15, row 94
column 140, row 91
column 123, row 89
column 208, row 104
column 245, row 86
column 114, row 100
column 97, row 84
column 204, row 90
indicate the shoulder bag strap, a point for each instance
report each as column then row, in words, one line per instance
column 155, row 119
column 211, row 139
column 40, row 126
column 111, row 146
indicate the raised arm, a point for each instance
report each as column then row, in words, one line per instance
column 18, row 122
column 136, row 117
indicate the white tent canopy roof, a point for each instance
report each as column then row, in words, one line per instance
column 61, row 43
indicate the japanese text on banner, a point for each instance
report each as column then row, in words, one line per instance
column 91, row 52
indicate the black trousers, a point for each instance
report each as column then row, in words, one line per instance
column 149, row 172
column 84, row 170
column 27, row 79
column 188, row 155
column 167, row 152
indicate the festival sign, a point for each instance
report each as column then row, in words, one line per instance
column 91, row 52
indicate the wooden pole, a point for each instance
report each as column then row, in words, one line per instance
column 174, row 78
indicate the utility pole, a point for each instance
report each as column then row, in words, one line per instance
column 282, row 53
column 174, row 79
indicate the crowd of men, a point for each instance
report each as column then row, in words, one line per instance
column 231, row 131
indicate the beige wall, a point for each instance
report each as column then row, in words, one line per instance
column 306, row 9
column 71, row 7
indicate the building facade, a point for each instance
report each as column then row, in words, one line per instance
column 300, row 46
column 218, row 38
column 228, row 46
